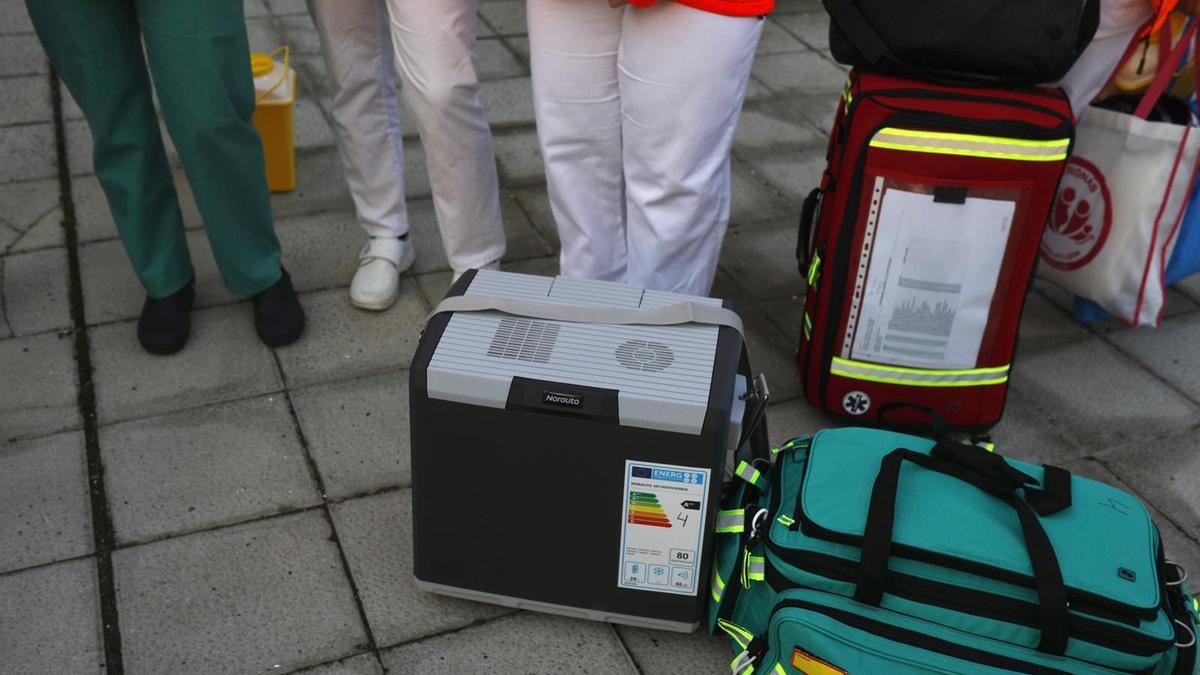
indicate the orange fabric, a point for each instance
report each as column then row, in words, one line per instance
column 729, row 7
column 1162, row 9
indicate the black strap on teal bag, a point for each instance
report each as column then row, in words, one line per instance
column 993, row 475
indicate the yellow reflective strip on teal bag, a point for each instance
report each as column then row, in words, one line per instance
column 738, row 634
column 971, row 145
column 731, row 520
column 718, row 586
column 779, row 669
column 785, row 520
column 748, row 473
column 756, row 567
column 918, row 377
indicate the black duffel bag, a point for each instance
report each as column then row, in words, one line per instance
column 957, row 42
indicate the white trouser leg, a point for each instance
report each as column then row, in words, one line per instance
column 435, row 50
column 1119, row 22
column 683, row 76
column 366, row 115
column 573, row 53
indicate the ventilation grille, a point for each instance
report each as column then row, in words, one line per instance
column 645, row 355
column 524, row 340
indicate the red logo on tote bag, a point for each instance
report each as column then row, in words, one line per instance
column 1081, row 217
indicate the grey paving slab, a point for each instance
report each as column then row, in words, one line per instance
column 45, row 232
column 112, row 292
column 772, row 353
column 35, row 291
column 49, row 620
column 27, row 202
column 267, row 596
column 525, row 643
column 1190, row 286
column 204, row 467
column 495, row 61
column 23, row 55
column 786, row 313
column 506, row 17
column 776, row 40
column 357, row 432
column 1044, row 324
column 310, row 126
column 297, row 31
column 262, row 34
column 1027, row 433
column 800, row 73
column 79, row 147
column 44, row 511
column 376, row 533
column 363, row 664
column 812, row 28
column 1165, row 472
column 1171, row 352
column 319, row 185
column 771, row 126
column 796, row 418
column 27, row 99
column 255, row 8
column 26, row 152
column 1179, row 546
column 5, row 328
column 519, row 157
column 321, row 250
column 14, row 18
column 663, row 653
column 223, row 360
column 1100, row 397
column 535, row 201
column 794, row 174
column 45, row 401
column 762, row 259
column 520, row 46
column 755, row 200
column 416, row 172
column 819, row 109
column 509, row 102
column 522, row 239
column 342, row 341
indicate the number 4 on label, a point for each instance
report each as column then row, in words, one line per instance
column 682, row 518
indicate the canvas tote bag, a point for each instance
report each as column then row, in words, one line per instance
column 1121, row 203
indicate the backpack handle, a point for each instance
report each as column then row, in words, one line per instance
column 996, row 481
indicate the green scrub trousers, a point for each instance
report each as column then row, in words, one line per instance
column 199, row 57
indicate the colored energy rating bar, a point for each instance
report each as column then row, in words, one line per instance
column 644, row 509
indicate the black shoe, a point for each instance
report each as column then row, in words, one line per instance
column 278, row 316
column 164, row 325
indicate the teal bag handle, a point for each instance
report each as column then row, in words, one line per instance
column 998, row 481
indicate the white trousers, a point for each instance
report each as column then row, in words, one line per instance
column 1119, row 22
column 636, row 111
column 432, row 47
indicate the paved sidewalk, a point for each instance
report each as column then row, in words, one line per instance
column 254, row 513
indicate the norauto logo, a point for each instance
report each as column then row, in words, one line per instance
column 558, row 398
column 1081, row 217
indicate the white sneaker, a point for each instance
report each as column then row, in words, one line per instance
column 494, row 266
column 377, row 281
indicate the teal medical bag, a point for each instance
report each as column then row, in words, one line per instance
column 867, row 551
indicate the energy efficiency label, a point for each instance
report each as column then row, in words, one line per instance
column 662, row 527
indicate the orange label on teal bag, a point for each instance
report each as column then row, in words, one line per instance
column 811, row 665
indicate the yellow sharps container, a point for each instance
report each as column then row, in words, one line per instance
column 275, row 100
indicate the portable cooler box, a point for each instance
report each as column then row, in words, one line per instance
column 567, row 457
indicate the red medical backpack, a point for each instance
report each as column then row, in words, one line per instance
column 919, row 247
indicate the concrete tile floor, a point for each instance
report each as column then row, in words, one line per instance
column 255, row 514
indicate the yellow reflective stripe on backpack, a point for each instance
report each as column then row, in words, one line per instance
column 779, row 669
column 807, row 326
column 749, row 474
column 918, row 377
column 718, row 586
column 970, row 145
column 738, row 634
column 814, row 270
column 731, row 520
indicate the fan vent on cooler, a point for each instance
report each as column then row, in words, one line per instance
column 645, row 355
column 523, row 340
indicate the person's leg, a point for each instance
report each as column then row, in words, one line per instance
column 683, row 75
column 577, row 105
column 200, row 61
column 356, row 39
column 357, row 44
column 95, row 47
column 435, row 51
column 1119, row 22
